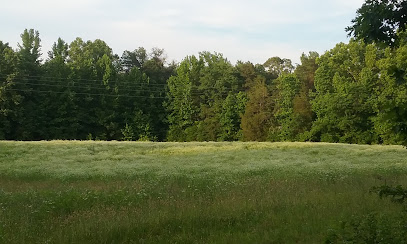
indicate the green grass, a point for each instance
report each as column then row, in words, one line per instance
column 133, row 192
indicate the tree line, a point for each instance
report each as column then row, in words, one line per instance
column 354, row 93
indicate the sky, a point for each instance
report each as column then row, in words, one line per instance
column 242, row 30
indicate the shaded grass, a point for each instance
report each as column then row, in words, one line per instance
column 111, row 192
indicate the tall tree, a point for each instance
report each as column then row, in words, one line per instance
column 31, row 117
column 379, row 21
column 93, row 73
column 277, row 66
column 196, row 98
column 131, row 59
column 391, row 103
column 158, row 71
column 287, row 124
column 133, row 115
column 183, row 102
column 10, row 99
column 246, row 74
column 232, row 110
column 303, row 115
column 345, row 82
column 258, row 112
column 217, row 81
column 59, row 105
column 306, row 70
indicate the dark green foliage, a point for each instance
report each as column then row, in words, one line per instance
column 345, row 83
column 391, row 103
column 397, row 194
column 306, row 70
column 371, row 229
column 258, row 113
column 232, row 111
column 81, row 91
column 286, row 121
column 361, row 95
column 277, row 66
column 9, row 99
column 203, row 100
column 380, row 21
column 354, row 93
column 292, row 113
column 158, row 72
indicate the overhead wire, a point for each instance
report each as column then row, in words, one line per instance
column 136, row 88
column 75, row 79
column 84, row 93
column 57, row 79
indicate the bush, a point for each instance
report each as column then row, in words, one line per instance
column 372, row 228
column 375, row 228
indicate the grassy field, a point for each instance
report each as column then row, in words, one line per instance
column 134, row 192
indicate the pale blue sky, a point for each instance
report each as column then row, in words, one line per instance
column 242, row 30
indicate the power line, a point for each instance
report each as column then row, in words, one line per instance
column 146, row 88
column 133, row 85
column 85, row 87
column 100, row 94
column 56, row 79
column 84, row 93
column 195, row 91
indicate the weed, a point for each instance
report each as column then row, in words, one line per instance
column 144, row 192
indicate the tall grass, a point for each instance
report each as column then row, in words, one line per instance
column 133, row 192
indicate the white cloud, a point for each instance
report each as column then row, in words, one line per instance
column 47, row 8
column 240, row 29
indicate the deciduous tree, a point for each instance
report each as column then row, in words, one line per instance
column 379, row 21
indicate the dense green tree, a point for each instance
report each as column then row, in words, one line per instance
column 354, row 93
column 10, row 99
column 345, row 82
column 158, row 71
column 183, row 102
column 232, row 110
column 286, row 123
column 93, row 75
column 258, row 112
column 305, row 71
column 277, row 66
column 379, row 21
column 31, row 118
column 391, row 104
column 59, row 105
column 216, row 82
column 302, row 115
column 132, row 114
column 196, row 99
column 131, row 59
column 246, row 74
column 29, row 52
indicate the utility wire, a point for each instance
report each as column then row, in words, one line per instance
column 100, row 82
column 143, row 88
column 84, row 93
column 57, row 79
column 195, row 91
column 86, row 87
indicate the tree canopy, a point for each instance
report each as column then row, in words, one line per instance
column 380, row 21
column 354, row 93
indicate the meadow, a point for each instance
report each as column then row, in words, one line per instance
column 215, row 192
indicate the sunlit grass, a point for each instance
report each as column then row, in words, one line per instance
column 232, row 192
